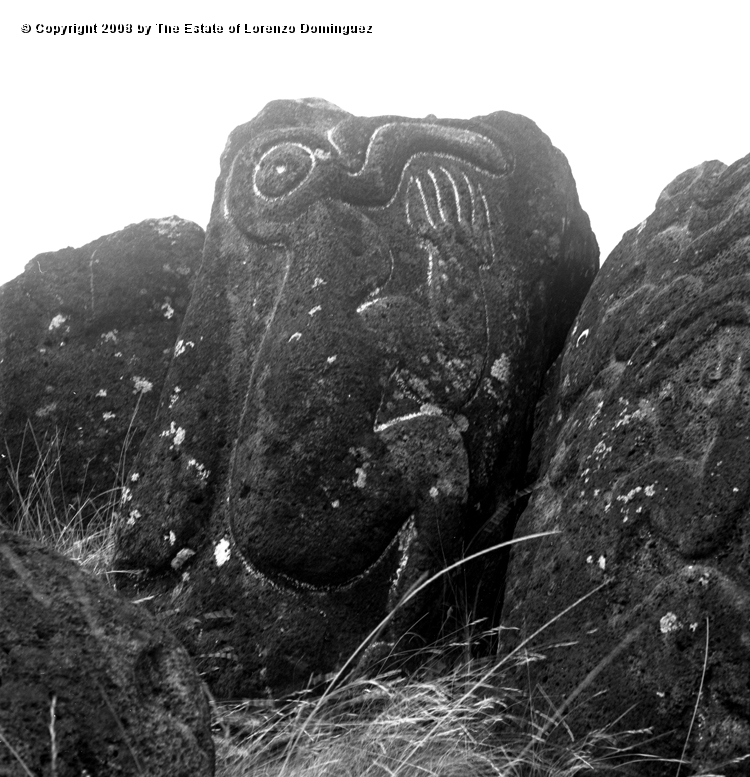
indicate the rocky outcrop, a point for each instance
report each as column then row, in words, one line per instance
column 86, row 336
column 351, row 392
column 89, row 684
column 643, row 454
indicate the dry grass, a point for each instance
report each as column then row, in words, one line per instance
column 81, row 529
column 455, row 716
column 460, row 721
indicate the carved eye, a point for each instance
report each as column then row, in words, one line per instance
column 282, row 169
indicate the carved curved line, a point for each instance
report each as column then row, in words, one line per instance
column 429, row 154
column 424, row 203
column 456, row 193
column 438, row 196
column 306, row 149
column 250, row 387
column 457, row 139
column 430, row 263
column 404, row 418
column 290, row 585
column 470, row 187
column 489, row 221
column 392, row 146
column 406, row 201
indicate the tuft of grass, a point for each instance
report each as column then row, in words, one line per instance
column 83, row 530
column 455, row 716
column 459, row 721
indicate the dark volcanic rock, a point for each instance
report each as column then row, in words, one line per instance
column 351, row 392
column 90, row 678
column 86, row 335
column 644, row 456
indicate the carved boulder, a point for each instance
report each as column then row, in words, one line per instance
column 351, row 393
column 643, row 455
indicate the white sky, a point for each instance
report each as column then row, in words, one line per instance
column 101, row 130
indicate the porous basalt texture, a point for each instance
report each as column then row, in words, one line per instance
column 643, row 453
column 89, row 683
column 352, row 389
column 86, row 336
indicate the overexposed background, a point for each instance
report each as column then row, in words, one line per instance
column 101, row 131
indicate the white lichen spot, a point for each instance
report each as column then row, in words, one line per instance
column 649, row 490
column 596, row 415
column 127, row 495
column 201, row 470
column 118, row 355
column 589, row 559
column 318, row 282
column 735, row 490
column 174, row 396
column 101, row 393
column 596, row 492
column 170, row 538
column 331, row 359
column 582, row 337
column 135, row 477
column 693, row 626
column 602, row 449
column 168, row 310
column 177, row 433
column 222, row 552
column 142, row 386
column 660, row 694
column 182, row 346
column 632, row 493
column 57, row 322
column 602, row 562
column 361, row 477
column 110, row 337
column 296, row 336
column 108, row 416
column 314, row 310
column 434, row 493
column 501, row 368
column 626, row 418
column 335, row 504
column 669, row 623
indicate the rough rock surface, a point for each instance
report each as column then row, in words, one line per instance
column 86, row 334
column 89, row 683
column 352, row 389
column 643, row 450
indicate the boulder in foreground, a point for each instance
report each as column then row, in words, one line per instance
column 90, row 684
